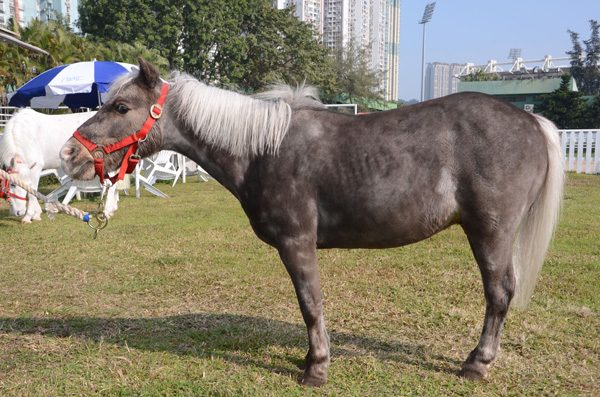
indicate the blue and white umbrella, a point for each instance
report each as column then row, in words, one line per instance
column 82, row 84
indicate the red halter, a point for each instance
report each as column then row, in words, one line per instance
column 5, row 192
column 131, row 158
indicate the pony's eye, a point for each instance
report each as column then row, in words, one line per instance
column 122, row 109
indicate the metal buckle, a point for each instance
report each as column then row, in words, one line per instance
column 97, row 216
column 100, row 150
column 155, row 111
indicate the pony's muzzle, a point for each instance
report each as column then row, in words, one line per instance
column 67, row 151
column 73, row 160
column 18, row 214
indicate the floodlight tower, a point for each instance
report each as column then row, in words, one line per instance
column 426, row 18
column 514, row 53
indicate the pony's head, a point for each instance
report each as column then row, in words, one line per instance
column 16, row 195
column 131, row 102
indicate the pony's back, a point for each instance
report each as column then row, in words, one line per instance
column 13, row 132
column 33, row 135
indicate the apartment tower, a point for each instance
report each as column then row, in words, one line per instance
column 44, row 10
column 372, row 24
column 441, row 80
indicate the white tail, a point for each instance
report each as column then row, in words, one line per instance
column 537, row 228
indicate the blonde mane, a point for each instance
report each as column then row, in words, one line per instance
column 234, row 122
column 238, row 123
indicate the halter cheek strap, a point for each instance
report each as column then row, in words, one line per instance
column 131, row 158
column 5, row 192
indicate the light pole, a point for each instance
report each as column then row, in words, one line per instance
column 426, row 18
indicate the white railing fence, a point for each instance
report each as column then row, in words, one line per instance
column 579, row 148
column 5, row 113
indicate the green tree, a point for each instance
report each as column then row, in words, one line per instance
column 480, row 75
column 17, row 65
column 14, row 68
column 577, row 57
column 566, row 108
column 584, row 68
column 123, row 52
column 593, row 114
column 247, row 43
column 157, row 24
column 355, row 78
column 592, row 49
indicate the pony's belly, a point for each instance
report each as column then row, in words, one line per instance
column 361, row 241
column 386, row 233
column 382, row 226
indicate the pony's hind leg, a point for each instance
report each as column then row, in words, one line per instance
column 493, row 253
column 300, row 259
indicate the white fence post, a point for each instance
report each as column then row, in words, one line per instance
column 5, row 113
column 579, row 148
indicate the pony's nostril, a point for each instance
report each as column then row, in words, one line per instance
column 67, row 152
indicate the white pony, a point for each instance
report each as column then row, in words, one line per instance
column 30, row 144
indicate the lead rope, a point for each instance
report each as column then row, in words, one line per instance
column 95, row 219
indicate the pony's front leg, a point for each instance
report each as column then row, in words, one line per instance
column 34, row 210
column 300, row 258
column 112, row 199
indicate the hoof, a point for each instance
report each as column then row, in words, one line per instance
column 474, row 372
column 25, row 221
column 109, row 215
column 315, row 375
column 312, row 380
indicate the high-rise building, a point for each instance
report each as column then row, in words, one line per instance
column 335, row 23
column 392, row 51
column 440, row 79
column 25, row 10
column 310, row 11
column 371, row 24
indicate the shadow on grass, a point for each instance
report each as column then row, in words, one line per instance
column 233, row 338
column 6, row 219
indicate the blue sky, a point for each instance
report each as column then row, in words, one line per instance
column 475, row 31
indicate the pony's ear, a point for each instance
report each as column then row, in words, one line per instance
column 149, row 74
column 15, row 160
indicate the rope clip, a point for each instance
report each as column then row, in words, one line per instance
column 96, row 219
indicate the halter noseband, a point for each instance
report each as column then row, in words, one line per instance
column 131, row 158
column 5, row 192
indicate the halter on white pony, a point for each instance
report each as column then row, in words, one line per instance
column 95, row 219
column 30, row 144
column 5, row 192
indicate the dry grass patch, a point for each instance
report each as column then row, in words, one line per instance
column 178, row 297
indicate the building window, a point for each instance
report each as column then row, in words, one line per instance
column 515, row 98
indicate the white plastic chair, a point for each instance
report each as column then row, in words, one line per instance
column 191, row 168
column 49, row 171
column 73, row 188
column 165, row 165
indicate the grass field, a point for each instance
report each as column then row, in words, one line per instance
column 178, row 297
